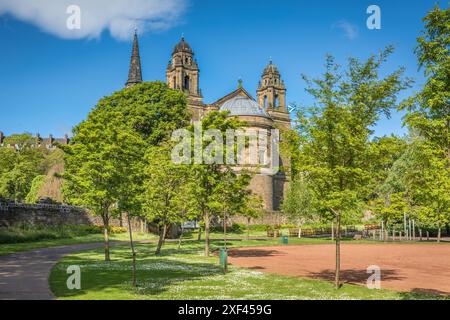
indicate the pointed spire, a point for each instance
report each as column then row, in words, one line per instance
column 135, row 73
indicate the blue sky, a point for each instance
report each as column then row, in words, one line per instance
column 48, row 83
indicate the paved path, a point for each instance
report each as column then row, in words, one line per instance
column 24, row 275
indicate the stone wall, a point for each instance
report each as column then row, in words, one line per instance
column 53, row 214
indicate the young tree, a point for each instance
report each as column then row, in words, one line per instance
column 337, row 131
column 94, row 161
column 300, row 205
column 104, row 158
column 429, row 189
column 166, row 194
column 208, row 176
column 230, row 196
column 254, row 208
column 429, row 117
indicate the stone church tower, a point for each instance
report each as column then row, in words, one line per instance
column 183, row 74
column 271, row 95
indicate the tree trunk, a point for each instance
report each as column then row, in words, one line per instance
column 338, row 250
column 248, row 228
column 181, row 236
column 207, row 233
column 162, row 236
column 439, row 234
column 120, row 219
column 225, row 230
column 133, row 274
column 106, row 236
column 199, row 236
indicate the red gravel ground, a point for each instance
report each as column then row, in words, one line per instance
column 404, row 267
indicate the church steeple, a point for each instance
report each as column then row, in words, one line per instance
column 135, row 73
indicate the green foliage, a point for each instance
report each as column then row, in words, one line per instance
column 151, row 109
column 166, row 188
column 36, row 185
column 426, row 175
column 253, row 207
column 300, row 204
column 392, row 208
column 216, row 188
column 337, row 131
column 18, row 168
column 27, row 233
column 21, row 139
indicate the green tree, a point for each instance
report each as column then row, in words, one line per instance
column 300, row 204
column 429, row 110
column 150, row 108
column 429, row 117
column 104, row 162
column 166, row 193
column 101, row 147
column 253, row 209
column 230, row 195
column 337, row 131
column 429, row 189
column 208, row 176
column 19, row 166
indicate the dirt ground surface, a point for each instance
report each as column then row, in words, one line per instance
column 404, row 267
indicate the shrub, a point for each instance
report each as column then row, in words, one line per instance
column 27, row 233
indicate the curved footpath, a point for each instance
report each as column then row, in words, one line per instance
column 24, row 275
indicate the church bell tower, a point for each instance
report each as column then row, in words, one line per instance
column 183, row 73
column 271, row 95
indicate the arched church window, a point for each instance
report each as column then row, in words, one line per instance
column 187, row 83
column 276, row 101
column 265, row 101
column 175, row 82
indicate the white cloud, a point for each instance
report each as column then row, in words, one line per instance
column 120, row 17
column 350, row 30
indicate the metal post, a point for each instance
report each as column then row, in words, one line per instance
column 404, row 222
column 332, row 231
column 410, row 233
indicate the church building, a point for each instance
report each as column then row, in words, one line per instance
column 268, row 111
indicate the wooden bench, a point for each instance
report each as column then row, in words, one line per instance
column 293, row 233
column 368, row 227
column 307, row 232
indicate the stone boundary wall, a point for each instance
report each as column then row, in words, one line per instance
column 53, row 214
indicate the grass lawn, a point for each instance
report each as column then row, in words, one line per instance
column 187, row 274
column 26, row 246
